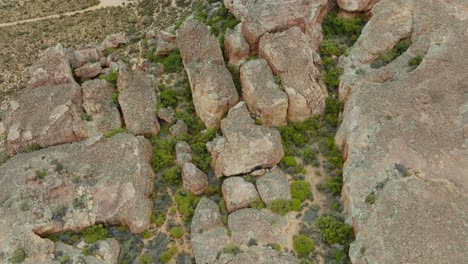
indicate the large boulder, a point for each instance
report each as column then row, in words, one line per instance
column 236, row 47
column 213, row 89
column 52, row 68
column 263, row 96
column 97, row 103
column 71, row 187
column 137, row 98
column 238, row 193
column 244, row 147
column 83, row 56
column 45, row 116
column 405, row 175
column 356, row 5
column 194, row 180
column 262, row 226
column 273, row 186
column 290, row 57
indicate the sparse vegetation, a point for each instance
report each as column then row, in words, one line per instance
column 18, row 256
column 114, row 132
column 172, row 62
column 186, row 203
column 110, row 77
column 167, row 255
column 94, row 233
column 391, row 54
column 257, row 204
column 177, row 232
column 300, row 190
column 415, row 61
column 334, row 230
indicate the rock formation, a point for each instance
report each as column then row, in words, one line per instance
column 273, row 186
column 238, row 193
column 236, row 47
column 194, row 180
column 244, row 146
column 183, row 153
column 403, row 137
column 213, row 89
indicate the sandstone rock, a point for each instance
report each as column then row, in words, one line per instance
column 45, row 116
column 97, row 102
column 236, row 47
column 260, row 255
column 137, row 99
column 209, row 235
column 238, row 193
column 273, row 186
column 178, row 129
column 237, row 7
column 357, row 5
column 165, row 43
column 166, row 114
column 52, row 68
column 213, row 89
column 194, row 180
column 411, row 121
column 263, row 226
column 183, row 153
column 263, row 96
column 245, row 146
column 83, row 56
column 71, row 187
column 114, row 40
column 106, row 252
column 290, row 57
column 88, row 70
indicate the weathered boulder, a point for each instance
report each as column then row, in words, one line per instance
column 166, row 114
column 402, row 136
column 263, row 96
column 137, row 98
column 213, row 89
column 183, row 153
column 260, row 225
column 356, row 5
column 238, row 193
column 45, row 116
column 273, row 185
column 178, row 129
column 71, row 187
column 260, row 255
column 236, row 47
column 244, row 147
column 97, row 102
column 209, row 235
column 52, row 68
column 290, row 57
column 165, row 43
column 107, row 251
column 83, row 56
column 89, row 70
column 269, row 16
column 114, row 40
column 194, row 180
column 237, row 7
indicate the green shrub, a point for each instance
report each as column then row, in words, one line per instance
column 145, row 259
column 168, row 98
column 177, row 232
column 172, row 176
column 334, row 230
column 186, row 203
column 390, row 55
column 167, row 255
column 146, row 234
column 300, row 190
column 296, row 205
column 231, row 249
column 30, row 148
column 289, row 161
column 302, row 245
column 201, row 156
column 347, row 29
column 114, row 132
column 257, row 204
column 110, row 77
column 40, row 174
column 163, row 153
column 94, row 233
column 309, row 156
column 18, row 256
column 370, row 198
column 280, row 206
column 172, row 62
column 414, row 62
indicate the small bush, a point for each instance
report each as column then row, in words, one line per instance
column 370, row 199
column 296, row 205
column 94, row 233
column 146, row 234
column 114, row 132
column 163, row 153
column 289, row 161
column 172, row 62
column 309, row 156
column 231, row 249
column 334, row 230
column 168, row 98
column 257, row 204
column 186, row 203
column 280, row 206
column 18, row 256
column 414, row 62
column 172, row 176
column 167, row 255
column 177, row 232
column 145, row 259
column 303, row 245
column 30, row 148
column 40, row 174
column 300, row 190
column 110, row 77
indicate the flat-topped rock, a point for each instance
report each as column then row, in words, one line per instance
column 290, row 57
column 238, row 193
column 71, row 187
column 273, row 186
column 137, row 98
column 244, row 147
column 263, row 96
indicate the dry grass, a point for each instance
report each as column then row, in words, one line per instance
column 14, row 10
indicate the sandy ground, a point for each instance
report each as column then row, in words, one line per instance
column 102, row 4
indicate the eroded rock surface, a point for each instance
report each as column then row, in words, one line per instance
column 213, row 89
column 236, row 47
column 356, row 5
column 194, row 180
column 263, row 96
column 273, row 185
column 244, row 146
column 403, row 137
column 238, row 193
column 71, row 187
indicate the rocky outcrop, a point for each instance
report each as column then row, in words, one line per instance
column 273, row 186
column 97, row 103
column 71, row 187
column 114, row 41
column 45, row 116
column 52, row 68
column 165, row 43
column 194, row 180
column 166, row 114
column 137, row 98
column 263, row 96
column 178, row 129
column 356, row 5
column 244, row 146
column 238, row 193
column 290, row 57
column 236, row 47
column 259, row 255
column 209, row 235
column 213, row 89
column 237, row 7
column 183, row 153
column 402, row 136
column 89, row 70
column 261, row 226
column 83, row 56
column 107, row 251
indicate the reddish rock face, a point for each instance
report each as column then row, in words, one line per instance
column 194, row 180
